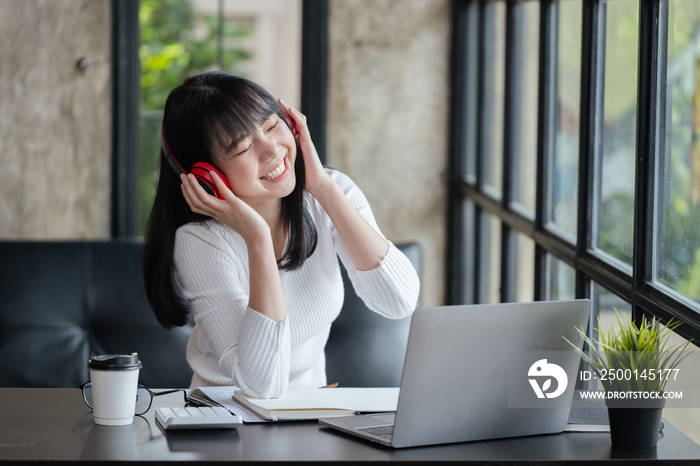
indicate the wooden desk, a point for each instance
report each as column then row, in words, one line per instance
column 54, row 426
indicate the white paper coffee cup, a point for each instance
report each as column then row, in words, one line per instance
column 114, row 379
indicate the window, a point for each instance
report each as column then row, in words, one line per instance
column 525, row 60
column 614, row 232
column 568, row 111
column 576, row 174
column 678, row 242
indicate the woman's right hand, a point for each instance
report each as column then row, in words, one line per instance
column 231, row 211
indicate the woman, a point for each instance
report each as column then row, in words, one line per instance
column 258, row 265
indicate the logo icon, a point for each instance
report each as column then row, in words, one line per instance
column 543, row 370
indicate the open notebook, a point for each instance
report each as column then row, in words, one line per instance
column 315, row 403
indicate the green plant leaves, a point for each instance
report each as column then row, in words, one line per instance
column 630, row 357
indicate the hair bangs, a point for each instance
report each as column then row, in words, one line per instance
column 237, row 117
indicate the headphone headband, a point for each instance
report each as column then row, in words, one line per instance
column 169, row 156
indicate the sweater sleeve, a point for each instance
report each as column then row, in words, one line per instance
column 392, row 288
column 250, row 350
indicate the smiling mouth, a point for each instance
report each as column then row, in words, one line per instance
column 277, row 171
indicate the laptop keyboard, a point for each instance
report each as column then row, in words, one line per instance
column 386, row 431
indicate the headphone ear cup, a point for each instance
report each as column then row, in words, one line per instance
column 201, row 171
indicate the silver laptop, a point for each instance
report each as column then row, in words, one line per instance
column 478, row 372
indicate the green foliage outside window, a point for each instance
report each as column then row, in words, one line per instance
column 176, row 42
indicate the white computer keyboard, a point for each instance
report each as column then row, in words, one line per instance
column 201, row 417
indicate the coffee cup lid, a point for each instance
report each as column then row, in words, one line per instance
column 115, row 362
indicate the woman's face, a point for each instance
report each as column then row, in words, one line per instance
column 261, row 166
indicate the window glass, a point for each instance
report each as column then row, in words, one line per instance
column 496, row 100
column 526, row 269
column 604, row 305
column 471, row 91
column 527, row 75
column 562, row 280
column 678, row 239
column 619, row 130
column 182, row 37
column 605, row 308
column 567, row 119
column 467, row 263
column 494, row 242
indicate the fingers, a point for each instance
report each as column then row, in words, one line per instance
column 297, row 118
column 190, row 193
column 303, row 136
column 196, row 197
column 232, row 212
column 201, row 202
column 224, row 190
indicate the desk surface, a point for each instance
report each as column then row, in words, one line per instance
column 54, row 425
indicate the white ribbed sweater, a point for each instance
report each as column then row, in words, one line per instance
column 231, row 344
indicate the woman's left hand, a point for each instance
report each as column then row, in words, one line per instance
column 316, row 175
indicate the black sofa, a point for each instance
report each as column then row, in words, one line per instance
column 62, row 302
column 365, row 349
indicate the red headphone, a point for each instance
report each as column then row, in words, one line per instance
column 200, row 170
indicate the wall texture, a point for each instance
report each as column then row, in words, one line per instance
column 388, row 108
column 55, row 119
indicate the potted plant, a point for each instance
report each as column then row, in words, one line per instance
column 633, row 363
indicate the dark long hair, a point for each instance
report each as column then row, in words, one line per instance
column 197, row 115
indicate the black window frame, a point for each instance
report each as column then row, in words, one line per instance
column 125, row 117
column 469, row 202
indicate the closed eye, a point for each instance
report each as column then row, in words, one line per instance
column 244, row 150
column 247, row 148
